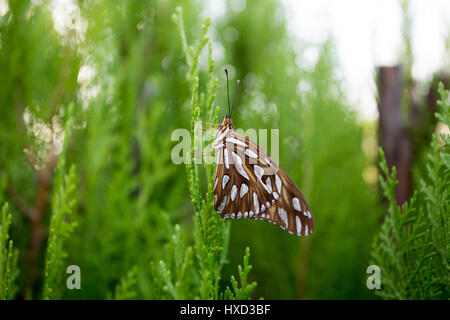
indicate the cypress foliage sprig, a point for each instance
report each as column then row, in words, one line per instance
column 412, row 247
column 209, row 229
column 61, row 224
column 205, row 259
column 242, row 290
column 175, row 276
column 126, row 289
column 8, row 258
column 436, row 191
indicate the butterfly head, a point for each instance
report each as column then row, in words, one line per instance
column 227, row 122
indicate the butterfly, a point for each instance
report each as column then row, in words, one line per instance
column 248, row 183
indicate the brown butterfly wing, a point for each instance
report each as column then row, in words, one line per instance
column 249, row 184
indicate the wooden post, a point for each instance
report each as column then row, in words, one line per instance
column 393, row 135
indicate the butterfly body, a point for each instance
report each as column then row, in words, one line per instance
column 248, row 183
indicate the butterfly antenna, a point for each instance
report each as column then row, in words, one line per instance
column 234, row 98
column 228, row 92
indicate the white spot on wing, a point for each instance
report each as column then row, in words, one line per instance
column 244, row 190
column 235, row 141
column 276, row 196
column 299, row 224
column 250, row 153
column 233, row 192
column 283, row 216
column 269, row 185
column 259, row 172
column 296, row 204
column 225, row 159
column 222, row 204
column 278, row 183
column 306, row 230
column 256, row 202
column 238, row 164
column 225, row 180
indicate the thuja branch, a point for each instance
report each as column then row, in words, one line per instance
column 61, row 226
column 211, row 233
column 8, row 257
column 44, row 179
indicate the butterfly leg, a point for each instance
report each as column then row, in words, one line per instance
column 203, row 154
column 210, row 124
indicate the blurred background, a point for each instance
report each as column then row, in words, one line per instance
column 337, row 78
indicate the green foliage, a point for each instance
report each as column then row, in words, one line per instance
column 436, row 192
column 401, row 248
column 174, row 276
column 126, row 289
column 61, row 224
column 127, row 174
column 412, row 247
column 61, row 228
column 115, row 80
column 205, row 259
column 244, row 289
column 8, row 257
